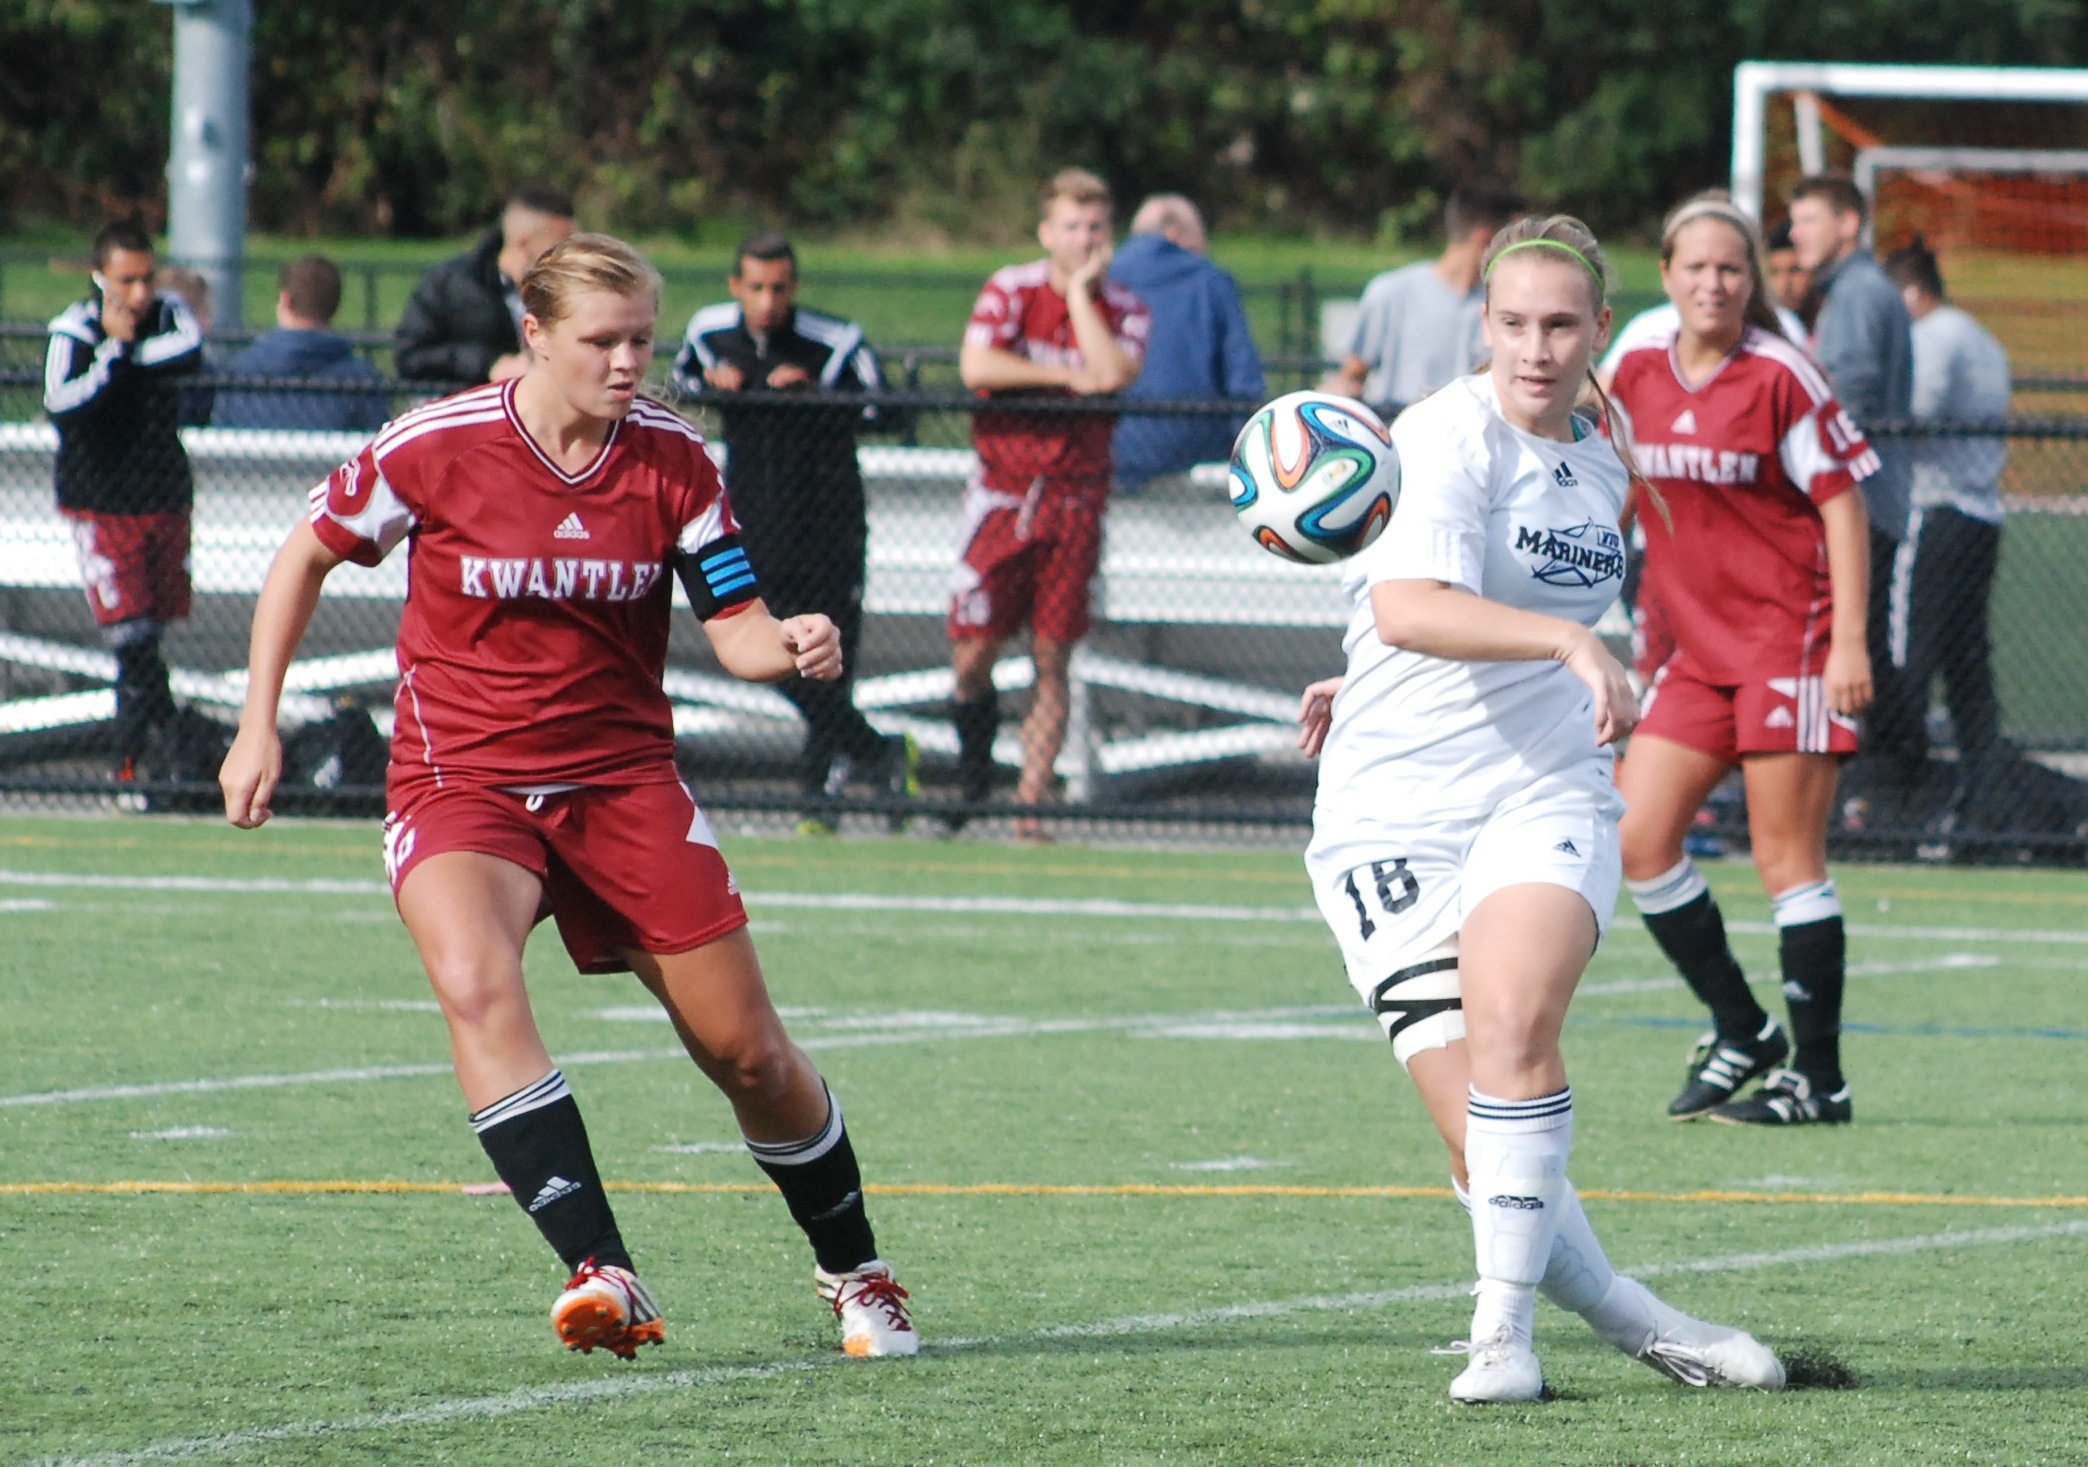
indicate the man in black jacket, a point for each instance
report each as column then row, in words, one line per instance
column 791, row 471
column 110, row 387
column 463, row 322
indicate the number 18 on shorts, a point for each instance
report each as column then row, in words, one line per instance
column 1397, row 900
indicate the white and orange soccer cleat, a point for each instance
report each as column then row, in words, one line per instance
column 872, row 1309
column 606, row 1306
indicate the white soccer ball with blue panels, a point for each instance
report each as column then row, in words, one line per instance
column 1314, row 477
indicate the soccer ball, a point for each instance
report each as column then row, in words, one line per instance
column 1314, row 477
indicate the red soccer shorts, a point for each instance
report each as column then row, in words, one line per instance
column 133, row 565
column 623, row 868
column 1030, row 559
column 1778, row 715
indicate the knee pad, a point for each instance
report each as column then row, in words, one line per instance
column 1420, row 1006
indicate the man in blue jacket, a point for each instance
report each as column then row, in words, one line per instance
column 308, row 293
column 1200, row 345
column 1864, row 338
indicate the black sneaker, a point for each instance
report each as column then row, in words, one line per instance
column 1787, row 1099
column 1719, row 1067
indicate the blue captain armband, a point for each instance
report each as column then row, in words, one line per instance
column 718, row 577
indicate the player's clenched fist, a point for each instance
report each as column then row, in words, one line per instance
column 815, row 644
column 249, row 777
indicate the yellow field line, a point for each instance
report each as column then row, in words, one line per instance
column 1032, row 1189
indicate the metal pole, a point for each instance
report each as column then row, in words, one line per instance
column 207, row 163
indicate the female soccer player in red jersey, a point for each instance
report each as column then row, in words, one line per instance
column 532, row 769
column 1763, row 565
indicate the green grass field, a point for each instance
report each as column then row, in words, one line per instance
column 1158, row 1188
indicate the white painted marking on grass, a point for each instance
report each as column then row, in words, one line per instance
column 194, row 883
column 622, row 1386
column 1942, row 963
column 183, row 1133
column 1228, row 1164
column 985, row 905
column 28, row 904
column 389, row 1005
column 706, row 1148
column 1239, row 1030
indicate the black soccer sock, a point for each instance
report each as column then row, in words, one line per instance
column 142, row 695
column 1684, row 919
column 978, row 721
column 1814, row 948
column 823, row 1188
column 538, row 1145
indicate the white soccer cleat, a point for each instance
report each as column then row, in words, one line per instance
column 1502, row 1370
column 1693, row 1351
column 872, row 1309
column 609, row 1308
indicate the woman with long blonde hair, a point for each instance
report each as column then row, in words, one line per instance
column 1464, row 848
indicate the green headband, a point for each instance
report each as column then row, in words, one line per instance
column 1546, row 244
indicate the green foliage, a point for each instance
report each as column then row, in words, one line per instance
column 940, row 116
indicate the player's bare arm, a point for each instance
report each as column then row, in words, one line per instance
column 288, row 597
column 1348, row 378
column 757, row 648
column 995, row 369
column 1441, row 620
column 1107, row 366
column 1847, row 526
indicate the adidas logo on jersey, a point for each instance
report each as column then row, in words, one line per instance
column 1563, row 476
column 1568, row 847
column 552, row 1190
column 1780, row 717
column 1684, row 424
column 570, row 528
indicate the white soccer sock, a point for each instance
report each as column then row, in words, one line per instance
column 1515, row 1154
column 1577, row 1275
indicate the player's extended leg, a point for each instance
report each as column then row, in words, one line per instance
column 1522, row 950
column 470, row 914
column 792, row 1124
column 1577, row 1273
column 1790, row 798
column 1044, row 730
column 1664, row 784
column 976, row 711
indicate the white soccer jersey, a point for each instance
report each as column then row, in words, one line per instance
column 1526, row 521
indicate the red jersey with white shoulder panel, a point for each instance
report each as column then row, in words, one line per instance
column 1019, row 312
column 1743, row 459
column 535, row 629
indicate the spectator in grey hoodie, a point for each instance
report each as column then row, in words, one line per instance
column 1863, row 337
column 308, row 293
column 1945, row 571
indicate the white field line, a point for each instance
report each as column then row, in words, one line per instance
column 857, row 1032
column 617, row 1387
column 1943, row 963
column 1006, row 906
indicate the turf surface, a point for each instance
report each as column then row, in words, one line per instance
column 1130, row 1162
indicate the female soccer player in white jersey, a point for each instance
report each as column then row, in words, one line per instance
column 532, row 770
column 1763, row 564
column 1464, row 845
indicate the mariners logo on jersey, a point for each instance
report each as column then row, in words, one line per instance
column 1585, row 555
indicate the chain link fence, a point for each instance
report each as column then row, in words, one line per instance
column 1182, row 694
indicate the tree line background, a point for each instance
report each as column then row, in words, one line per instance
column 939, row 117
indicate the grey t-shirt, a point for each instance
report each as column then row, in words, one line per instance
column 1960, row 376
column 1415, row 334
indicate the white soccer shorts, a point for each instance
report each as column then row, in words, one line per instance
column 1396, row 897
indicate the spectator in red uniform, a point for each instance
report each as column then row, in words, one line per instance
column 1762, row 557
column 533, row 772
column 1054, row 327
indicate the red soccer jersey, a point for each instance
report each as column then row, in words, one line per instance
column 535, row 629
column 1743, row 460
column 1019, row 312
